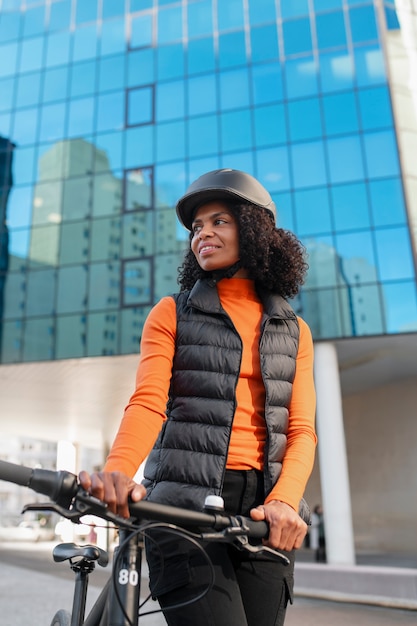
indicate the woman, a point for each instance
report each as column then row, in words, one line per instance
column 227, row 370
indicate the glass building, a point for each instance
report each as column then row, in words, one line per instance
column 109, row 108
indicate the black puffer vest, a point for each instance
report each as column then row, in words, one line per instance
column 188, row 460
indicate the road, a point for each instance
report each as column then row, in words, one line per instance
column 33, row 587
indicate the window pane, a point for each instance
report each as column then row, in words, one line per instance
column 234, row 89
column 85, row 43
column 47, row 201
column 170, row 141
column 55, row 84
column 141, row 32
column 336, row 71
column 350, row 206
column 113, row 38
column 267, row 84
column 203, row 136
column 135, row 234
column 105, row 239
column 33, row 21
column 83, row 78
column 8, row 55
column 270, row 125
column 40, row 299
column 77, row 198
column 81, row 117
column 230, row 14
column 6, row 93
column 86, row 11
column 44, row 244
column 262, row 11
column 169, row 25
column 357, row 257
column 137, row 281
column 140, row 67
column 170, row 62
column 297, row 36
column 166, row 95
column 109, row 151
column 236, row 131
column 52, row 122
column 39, row 339
column 72, row 289
column 199, row 18
column 294, row 8
column 19, row 242
column 304, row 118
column 200, row 57
column 31, row 55
column 102, row 333
column 107, row 199
column 395, row 259
column 9, row 26
column 370, row 68
column 111, row 73
column 308, row 164
column 202, row 94
column 138, row 189
column 400, row 307
column 273, row 169
column 110, row 111
column 264, row 43
column 340, row 114
column 14, row 295
column 60, row 15
column 28, row 89
column 381, row 154
column 312, row 209
column 387, row 202
column 70, row 336
column 19, row 207
column 104, row 286
column 363, row 24
column 375, row 108
column 11, row 345
column 345, row 159
column 232, row 49
column 139, row 146
column 25, row 126
column 57, row 49
column 74, row 243
column 301, row 77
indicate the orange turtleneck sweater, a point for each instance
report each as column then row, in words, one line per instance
column 145, row 412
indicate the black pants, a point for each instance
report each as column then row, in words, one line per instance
column 248, row 590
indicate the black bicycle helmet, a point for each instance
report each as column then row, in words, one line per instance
column 225, row 184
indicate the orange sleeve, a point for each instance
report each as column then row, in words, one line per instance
column 302, row 440
column 143, row 416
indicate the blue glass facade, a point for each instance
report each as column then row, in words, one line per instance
column 109, row 109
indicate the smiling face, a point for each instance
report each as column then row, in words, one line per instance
column 215, row 239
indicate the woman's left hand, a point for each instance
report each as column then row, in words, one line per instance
column 286, row 528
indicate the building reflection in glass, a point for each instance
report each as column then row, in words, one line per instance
column 6, row 183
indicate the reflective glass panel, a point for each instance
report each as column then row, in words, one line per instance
column 19, row 207
column 336, row 71
column 72, row 289
column 202, row 94
column 138, row 188
column 28, row 89
column 345, row 159
column 169, row 184
column 77, row 198
column 200, row 57
column 18, row 249
column 107, row 194
column 105, row 239
column 39, row 339
column 74, row 246
column 86, row 11
column 52, row 122
column 70, row 336
column 381, row 154
column 170, row 62
column 170, row 141
column 363, row 24
column 323, row 262
column 141, row 30
column 108, row 155
column 400, row 303
column 169, row 25
column 331, row 32
column 264, row 43
column 234, row 89
column 301, row 77
column 85, row 43
column 350, row 206
column 24, row 160
column 140, row 67
column 199, row 18
column 57, row 48
column 235, row 131
column 170, row 101
column 40, row 298
column 25, row 126
column 357, row 257
column 11, row 344
column 375, row 108
column 111, row 73
column 8, row 55
column 132, row 321
column 47, row 200
column 80, row 117
column 139, row 146
column 273, row 169
column 387, row 202
column 44, row 246
column 308, row 164
column 340, row 113
column 266, row 83
column 9, row 26
column 294, row 8
column 31, row 54
column 395, row 259
column 262, row 11
column 166, row 274
column 304, row 117
column 312, row 209
column 83, row 78
column 33, row 21
column 270, row 125
column 370, row 68
column 203, row 135
column 110, row 113
column 324, row 5
column 113, row 39
column 137, row 280
column 104, row 286
column 232, row 49
column 102, row 333
column 297, row 36
column 60, row 15
column 136, row 230
column 284, row 204
column 55, row 84
column 230, row 14
column 14, row 295
column 6, row 93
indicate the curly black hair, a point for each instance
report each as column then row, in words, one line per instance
column 274, row 257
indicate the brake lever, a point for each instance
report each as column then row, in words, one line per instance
column 242, row 543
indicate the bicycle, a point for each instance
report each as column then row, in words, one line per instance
column 119, row 602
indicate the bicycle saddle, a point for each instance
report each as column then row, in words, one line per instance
column 65, row 551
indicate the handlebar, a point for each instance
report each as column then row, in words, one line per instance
column 63, row 490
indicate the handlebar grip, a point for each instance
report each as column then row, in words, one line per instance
column 255, row 530
column 60, row 486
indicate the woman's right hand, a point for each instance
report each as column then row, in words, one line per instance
column 113, row 488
